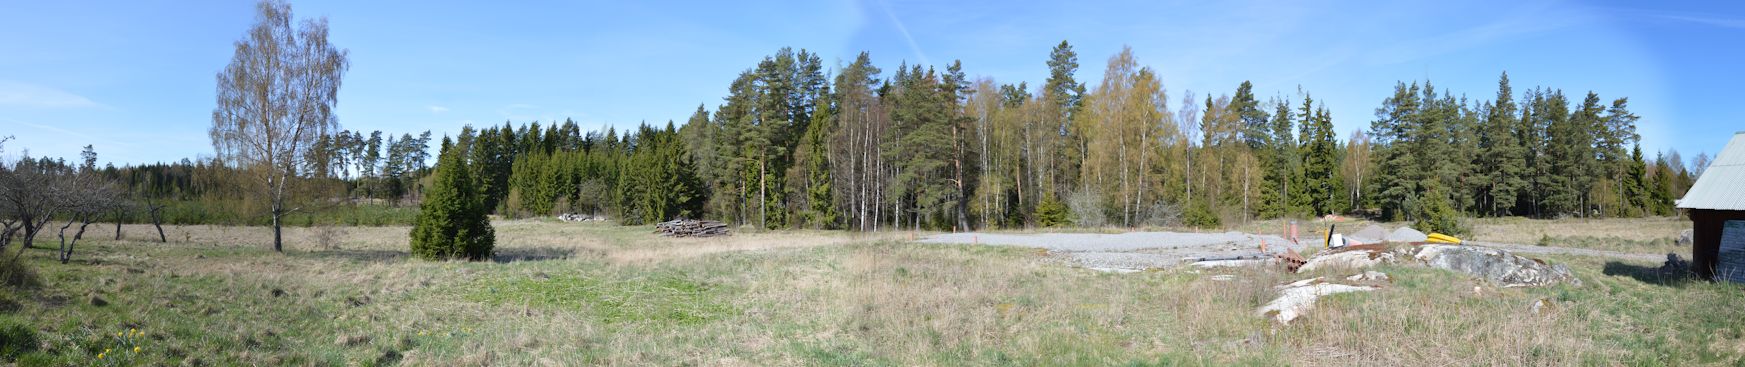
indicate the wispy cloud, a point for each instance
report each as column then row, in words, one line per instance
column 1468, row 38
column 35, row 96
column 904, row 30
column 436, row 109
column 1717, row 22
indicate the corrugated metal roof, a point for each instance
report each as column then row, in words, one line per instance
column 1722, row 186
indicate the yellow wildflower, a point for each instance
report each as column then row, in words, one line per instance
column 136, row 349
column 99, row 355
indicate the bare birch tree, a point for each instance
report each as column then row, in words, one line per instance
column 275, row 100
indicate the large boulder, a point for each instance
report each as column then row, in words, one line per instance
column 1497, row 266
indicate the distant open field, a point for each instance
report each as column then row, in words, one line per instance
column 591, row 293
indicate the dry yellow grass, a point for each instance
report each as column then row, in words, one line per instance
column 579, row 294
column 1529, row 231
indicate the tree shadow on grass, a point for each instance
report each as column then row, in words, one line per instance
column 510, row 255
column 1652, row 275
column 363, row 256
column 502, row 255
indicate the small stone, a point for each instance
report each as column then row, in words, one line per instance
column 1369, row 276
column 1543, row 305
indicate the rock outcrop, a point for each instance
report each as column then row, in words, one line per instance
column 1353, row 259
column 1496, row 266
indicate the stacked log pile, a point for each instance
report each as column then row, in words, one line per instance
column 691, row 228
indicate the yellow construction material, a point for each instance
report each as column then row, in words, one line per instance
column 1442, row 238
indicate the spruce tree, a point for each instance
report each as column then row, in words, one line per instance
column 1398, row 174
column 452, row 221
column 1661, row 192
column 1636, row 184
column 1320, row 161
column 1570, row 154
column 820, row 211
column 1502, row 158
column 1618, row 130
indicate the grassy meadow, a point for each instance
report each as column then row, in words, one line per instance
column 593, row 293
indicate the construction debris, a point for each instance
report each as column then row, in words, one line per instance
column 1495, row 265
column 691, row 228
column 1232, row 263
column 1297, row 298
column 573, row 217
column 1443, row 239
column 1291, row 259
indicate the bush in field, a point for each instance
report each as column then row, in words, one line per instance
column 1199, row 214
column 451, row 222
column 1087, row 209
column 1051, row 213
column 1436, row 214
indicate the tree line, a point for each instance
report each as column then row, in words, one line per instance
column 791, row 146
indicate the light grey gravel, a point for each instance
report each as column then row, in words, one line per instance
column 1132, row 250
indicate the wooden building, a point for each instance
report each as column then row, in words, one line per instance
column 1716, row 207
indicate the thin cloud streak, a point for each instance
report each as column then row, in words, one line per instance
column 35, row 96
column 904, row 30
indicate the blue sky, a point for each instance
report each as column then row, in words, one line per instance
column 136, row 78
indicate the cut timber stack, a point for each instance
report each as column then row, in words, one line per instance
column 691, row 228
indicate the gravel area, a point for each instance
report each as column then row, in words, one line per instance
column 1130, row 251
column 1135, row 251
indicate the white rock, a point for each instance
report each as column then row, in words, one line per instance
column 1293, row 302
column 1347, row 260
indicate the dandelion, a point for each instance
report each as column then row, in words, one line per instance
column 136, row 349
column 99, row 355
